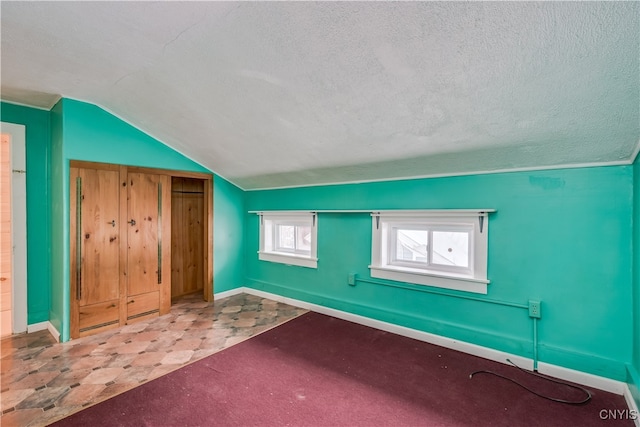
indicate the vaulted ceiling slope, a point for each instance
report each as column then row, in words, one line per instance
column 271, row 94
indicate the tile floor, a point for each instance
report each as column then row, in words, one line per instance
column 43, row 381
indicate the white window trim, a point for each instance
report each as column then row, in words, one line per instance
column 475, row 281
column 294, row 218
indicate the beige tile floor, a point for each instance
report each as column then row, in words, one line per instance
column 43, row 381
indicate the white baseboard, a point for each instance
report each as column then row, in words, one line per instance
column 230, row 293
column 53, row 331
column 633, row 407
column 35, row 327
column 578, row 377
column 590, row 380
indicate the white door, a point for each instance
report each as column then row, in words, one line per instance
column 18, row 224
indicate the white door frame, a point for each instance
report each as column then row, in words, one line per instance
column 18, row 224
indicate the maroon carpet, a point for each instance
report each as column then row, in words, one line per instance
column 317, row 370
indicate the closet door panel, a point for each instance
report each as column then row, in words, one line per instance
column 148, row 245
column 144, row 231
column 95, row 248
column 99, row 236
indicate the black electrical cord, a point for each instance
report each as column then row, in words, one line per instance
column 553, row 399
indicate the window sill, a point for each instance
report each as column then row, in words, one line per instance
column 300, row 261
column 468, row 284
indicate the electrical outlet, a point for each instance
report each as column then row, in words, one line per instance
column 535, row 309
column 352, row 279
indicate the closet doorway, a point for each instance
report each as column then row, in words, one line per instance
column 187, row 245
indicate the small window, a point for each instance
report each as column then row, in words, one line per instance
column 289, row 238
column 437, row 248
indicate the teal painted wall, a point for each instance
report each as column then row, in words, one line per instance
column 561, row 236
column 92, row 134
column 89, row 133
column 634, row 368
column 38, row 152
column 59, row 310
column 228, row 235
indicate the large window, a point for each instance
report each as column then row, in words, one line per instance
column 438, row 248
column 289, row 238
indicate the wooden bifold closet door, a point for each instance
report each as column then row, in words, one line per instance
column 148, row 255
column 120, row 229
column 95, row 250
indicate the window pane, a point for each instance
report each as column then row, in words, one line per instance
column 286, row 237
column 411, row 245
column 451, row 248
column 293, row 238
column 303, row 238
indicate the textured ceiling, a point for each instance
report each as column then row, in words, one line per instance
column 271, row 94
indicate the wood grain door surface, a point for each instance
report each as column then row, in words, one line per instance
column 118, row 247
column 95, row 250
column 145, row 246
